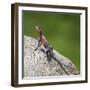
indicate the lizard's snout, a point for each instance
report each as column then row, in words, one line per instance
column 37, row 27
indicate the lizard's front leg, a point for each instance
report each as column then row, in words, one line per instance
column 39, row 44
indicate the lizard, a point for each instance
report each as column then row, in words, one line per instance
column 43, row 43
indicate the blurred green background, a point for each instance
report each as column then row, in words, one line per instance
column 62, row 31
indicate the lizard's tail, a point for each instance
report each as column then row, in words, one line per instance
column 60, row 64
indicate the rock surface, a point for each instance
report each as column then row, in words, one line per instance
column 36, row 63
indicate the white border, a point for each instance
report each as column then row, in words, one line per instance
column 82, row 47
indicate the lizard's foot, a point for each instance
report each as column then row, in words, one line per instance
column 35, row 49
column 48, row 58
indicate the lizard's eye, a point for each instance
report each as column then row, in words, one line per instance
column 38, row 27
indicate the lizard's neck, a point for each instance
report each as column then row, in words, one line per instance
column 40, row 34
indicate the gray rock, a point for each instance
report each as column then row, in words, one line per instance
column 36, row 63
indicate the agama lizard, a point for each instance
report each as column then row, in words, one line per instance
column 43, row 43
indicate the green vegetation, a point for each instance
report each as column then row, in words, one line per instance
column 61, row 30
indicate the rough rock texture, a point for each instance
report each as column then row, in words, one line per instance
column 36, row 63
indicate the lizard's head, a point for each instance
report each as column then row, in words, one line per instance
column 37, row 28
